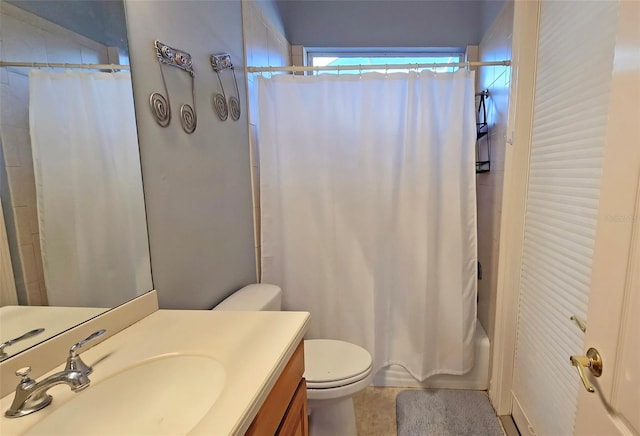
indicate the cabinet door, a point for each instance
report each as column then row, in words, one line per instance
column 271, row 414
column 295, row 421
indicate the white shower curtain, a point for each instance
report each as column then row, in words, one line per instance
column 91, row 213
column 369, row 214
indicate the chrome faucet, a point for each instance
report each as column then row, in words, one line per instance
column 32, row 396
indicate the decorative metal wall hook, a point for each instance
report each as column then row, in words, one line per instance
column 219, row 100
column 221, row 62
column 161, row 106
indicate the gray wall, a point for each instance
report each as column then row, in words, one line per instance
column 489, row 12
column 272, row 13
column 387, row 23
column 99, row 20
column 197, row 187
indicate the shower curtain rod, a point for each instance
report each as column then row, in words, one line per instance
column 62, row 65
column 295, row 69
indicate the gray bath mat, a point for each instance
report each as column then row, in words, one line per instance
column 441, row 412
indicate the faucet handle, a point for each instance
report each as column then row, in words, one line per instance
column 74, row 363
column 77, row 345
column 27, row 335
column 26, row 381
column 24, row 372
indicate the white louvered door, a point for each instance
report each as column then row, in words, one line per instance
column 573, row 79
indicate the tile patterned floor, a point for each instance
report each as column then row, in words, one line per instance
column 376, row 411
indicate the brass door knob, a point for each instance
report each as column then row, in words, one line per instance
column 593, row 361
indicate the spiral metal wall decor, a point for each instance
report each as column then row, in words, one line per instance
column 220, row 102
column 161, row 106
column 221, row 62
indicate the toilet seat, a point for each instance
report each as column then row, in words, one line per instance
column 338, row 383
column 331, row 364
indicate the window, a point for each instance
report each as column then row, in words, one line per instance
column 321, row 58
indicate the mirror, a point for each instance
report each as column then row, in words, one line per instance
column 70, row 179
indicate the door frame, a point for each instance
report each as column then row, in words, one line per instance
column 516, row 177
column 522, row 97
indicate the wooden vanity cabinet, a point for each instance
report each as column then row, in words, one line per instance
column 284, row 412
column 295, row 421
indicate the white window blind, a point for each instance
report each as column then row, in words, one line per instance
column 575, row 58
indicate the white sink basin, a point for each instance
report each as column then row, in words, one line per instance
column 166, row 395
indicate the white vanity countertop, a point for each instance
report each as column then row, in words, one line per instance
column 253, row 347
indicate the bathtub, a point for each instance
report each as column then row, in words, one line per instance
column 477, row 378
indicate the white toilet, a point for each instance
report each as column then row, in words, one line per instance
column 334, row 370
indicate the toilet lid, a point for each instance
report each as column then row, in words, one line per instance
column 330, row 363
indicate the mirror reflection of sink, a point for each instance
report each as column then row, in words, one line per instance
column 166, row 395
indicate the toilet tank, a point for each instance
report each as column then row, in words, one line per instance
column 260, row 296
